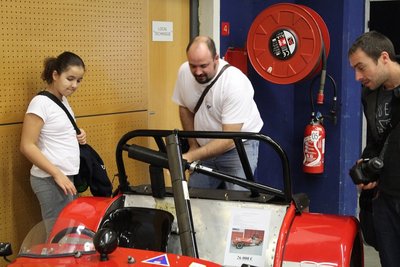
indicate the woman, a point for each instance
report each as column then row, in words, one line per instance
column 50, row 141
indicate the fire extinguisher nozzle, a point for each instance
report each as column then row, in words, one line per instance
column 320, row 98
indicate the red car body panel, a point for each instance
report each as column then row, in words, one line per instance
column 88, row 210
column 315, row 237
column 303, row 238
column 283, row 235
column 116, row 259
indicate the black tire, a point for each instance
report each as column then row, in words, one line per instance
column 239, row 245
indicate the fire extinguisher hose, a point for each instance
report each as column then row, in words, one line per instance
column 320, row 96
column 334, row 100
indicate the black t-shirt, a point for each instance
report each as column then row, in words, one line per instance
column 389, row 181
column 383, row 110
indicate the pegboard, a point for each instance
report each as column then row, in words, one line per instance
column 116, row 126
column 19, row 208
column 110, row 35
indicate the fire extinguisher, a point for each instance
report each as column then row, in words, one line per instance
column 314, row 146
column 314, row 133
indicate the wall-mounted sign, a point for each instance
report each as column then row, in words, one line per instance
column 163, row 31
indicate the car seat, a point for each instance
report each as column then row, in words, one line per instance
column 140, row 228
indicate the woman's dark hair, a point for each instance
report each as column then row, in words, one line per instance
column 373, row 44
column 60, row 64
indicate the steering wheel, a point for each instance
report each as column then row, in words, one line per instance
column 72, row 230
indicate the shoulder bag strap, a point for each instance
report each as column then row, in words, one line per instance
column 208, row 88
column 58, row 102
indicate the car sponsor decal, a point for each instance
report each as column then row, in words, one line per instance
column 159, row 260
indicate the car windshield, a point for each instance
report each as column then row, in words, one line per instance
column 72, row 239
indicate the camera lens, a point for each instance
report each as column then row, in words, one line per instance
column 366, row 171
column 373, row 166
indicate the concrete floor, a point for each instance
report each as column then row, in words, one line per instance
column 371, row 257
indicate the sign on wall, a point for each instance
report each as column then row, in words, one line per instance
column 162, row 31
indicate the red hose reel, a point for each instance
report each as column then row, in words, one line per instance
column 286, row 43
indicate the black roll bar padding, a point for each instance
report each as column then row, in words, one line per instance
column 122, row 146
column 181, row 198
column 159, row 134
column 147, row 155
column 157, row 181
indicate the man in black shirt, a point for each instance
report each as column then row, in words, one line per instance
column 372, row 56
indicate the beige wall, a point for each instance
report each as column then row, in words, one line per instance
column 165, row 59
column 128, row 83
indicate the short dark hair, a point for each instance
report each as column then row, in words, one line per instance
column 373, row 44
column 60, row 64
column 204, row 39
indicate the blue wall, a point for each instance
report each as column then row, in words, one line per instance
column 286, row 108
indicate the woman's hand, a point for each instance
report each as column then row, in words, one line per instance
column 81, row 137
column 65, row 184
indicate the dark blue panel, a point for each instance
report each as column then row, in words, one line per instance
column 274, row 101
column 286, row 109
column 240, row 14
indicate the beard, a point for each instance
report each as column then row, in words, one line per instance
column 206, row 77
column 202, row 79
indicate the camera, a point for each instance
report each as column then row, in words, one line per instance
column 366, row 171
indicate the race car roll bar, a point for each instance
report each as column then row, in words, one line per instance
column 169, row 156
column 160, row 158
column 181, row 198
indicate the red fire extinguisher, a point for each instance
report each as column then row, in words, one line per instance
column 314, row 134
column 314, row 147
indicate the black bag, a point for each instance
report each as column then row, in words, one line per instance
column 92, row 171
column 366, row 217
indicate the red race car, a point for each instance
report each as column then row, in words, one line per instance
column 153, row 224
column 240, row 242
